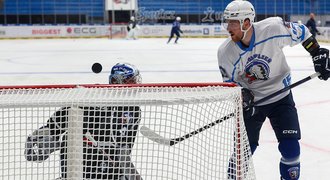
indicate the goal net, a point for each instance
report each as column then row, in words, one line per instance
column 146, row 131
column 117, row 31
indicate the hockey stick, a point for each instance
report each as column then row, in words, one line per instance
column 287, row 88
column 152, row 135
column 113, row 162
column 170, row 142
column 95, row 144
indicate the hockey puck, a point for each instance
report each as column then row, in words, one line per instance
column 96, row 67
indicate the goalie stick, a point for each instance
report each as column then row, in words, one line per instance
column 95, row 144
column 126, row 172
column 152, row 135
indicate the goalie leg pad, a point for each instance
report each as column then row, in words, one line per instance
column 290, row 163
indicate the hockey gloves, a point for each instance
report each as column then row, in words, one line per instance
column 248, row 100
column 40, row 144
column 320, row 57
column 322, row 63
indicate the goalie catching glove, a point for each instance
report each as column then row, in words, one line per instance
column 40, row 145
column 248, row 100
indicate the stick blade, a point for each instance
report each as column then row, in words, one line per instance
column 150, row 134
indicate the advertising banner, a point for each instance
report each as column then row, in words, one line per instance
column 90, row 31
column 121, row 4
column 81, row 31
column 53, row 31
column 188, row 30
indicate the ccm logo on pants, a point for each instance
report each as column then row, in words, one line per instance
column 290, row 132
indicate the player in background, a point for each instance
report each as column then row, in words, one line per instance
column 252, row 57
column 132, row 28
column 114, row 128
column 311, row 25
column 175, row 30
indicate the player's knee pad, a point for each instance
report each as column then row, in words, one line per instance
column 290, row 163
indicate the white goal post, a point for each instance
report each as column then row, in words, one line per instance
column 146, row 131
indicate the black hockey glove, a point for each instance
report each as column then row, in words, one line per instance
column 248, row 100
column 322, row 63
column 320, row 57
column 40, row 144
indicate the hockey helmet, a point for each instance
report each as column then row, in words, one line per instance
column 239, row 10
column 178, row 18
column 124, row 73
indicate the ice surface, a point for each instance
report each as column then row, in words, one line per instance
column 69, row 61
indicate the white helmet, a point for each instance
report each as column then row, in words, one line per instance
column 132, row 18
column 178, row 18
column 239, row 10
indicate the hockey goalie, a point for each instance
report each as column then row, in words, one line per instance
column 109, row 135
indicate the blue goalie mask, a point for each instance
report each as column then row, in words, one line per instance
column 124, row 73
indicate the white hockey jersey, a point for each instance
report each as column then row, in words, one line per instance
column 262, row 66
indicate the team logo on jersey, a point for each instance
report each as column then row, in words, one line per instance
column 126, row 117
column 257, row 68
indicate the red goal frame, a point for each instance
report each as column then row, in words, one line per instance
column 187, row 85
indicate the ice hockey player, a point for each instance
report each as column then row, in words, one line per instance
column 311, row 24
column 114, row 128
column 176, row 29
column 252, row 57
column 132, row 28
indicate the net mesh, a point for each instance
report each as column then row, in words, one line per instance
column 94, row 133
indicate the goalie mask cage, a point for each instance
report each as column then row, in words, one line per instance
column 168, row 111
